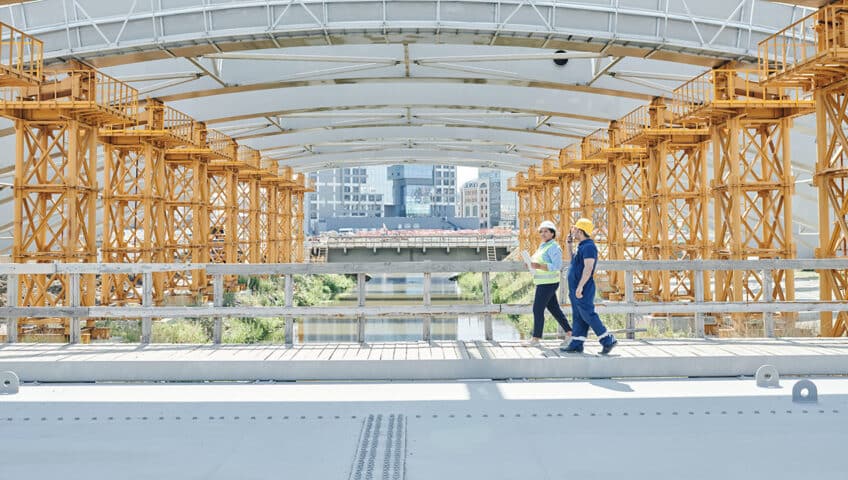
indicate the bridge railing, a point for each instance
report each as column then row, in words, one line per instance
column 629, row 306
column 445, row 241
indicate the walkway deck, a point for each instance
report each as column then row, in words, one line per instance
column 444, row 360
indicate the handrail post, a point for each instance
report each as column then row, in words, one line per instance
column 360, row 296
column 146, row 301
column 289, row 288
column 217, row 302
column 425, row 333
column 768, row 317
column 698, row 277
column 12, row 301
column 75, row 333
column 487, row 301
column 630, row 322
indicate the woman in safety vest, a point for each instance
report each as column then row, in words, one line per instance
column 547, row 264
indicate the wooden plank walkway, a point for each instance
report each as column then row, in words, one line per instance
column 438, row 360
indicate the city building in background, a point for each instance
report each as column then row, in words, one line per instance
column 474, row 202
column 484, row 198
column 342, row 193
column 422, row 190
column 368, row 198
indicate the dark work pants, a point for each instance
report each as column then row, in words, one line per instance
column 546, row 298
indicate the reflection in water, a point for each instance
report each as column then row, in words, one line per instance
column 404, row 290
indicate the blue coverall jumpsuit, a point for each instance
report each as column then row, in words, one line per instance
column 583, row 309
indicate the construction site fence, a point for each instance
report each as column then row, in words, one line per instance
column 699, row 309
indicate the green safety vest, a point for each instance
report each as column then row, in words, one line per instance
column 544, row 277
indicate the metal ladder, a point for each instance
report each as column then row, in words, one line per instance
column 491, row 253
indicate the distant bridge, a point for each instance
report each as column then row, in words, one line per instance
column 410, row 247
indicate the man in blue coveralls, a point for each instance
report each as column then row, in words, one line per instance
column 581, row 290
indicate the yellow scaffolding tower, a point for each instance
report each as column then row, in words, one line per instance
column 551, row 186
column 571, row 186
column 753, row 183
column 285, row 239
column 56, row 123
column 269, row 213
column 299, row 189
column 249, row 205
column 676, row 195
column 536, row 189
column 812, row 54
column 223, row 179
column 625, row 202
column 134, row 197
column 188, row 206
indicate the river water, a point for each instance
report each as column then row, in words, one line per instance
column 401, row 289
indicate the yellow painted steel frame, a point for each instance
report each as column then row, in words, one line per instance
column 56, row 187
column 831, row 179
column 248, row 217
column 299, row 190
column 223, row 217
column 551, row 184
column 284, row 221
column 753, row 188
column 187, row 217
column 134, row 197
column 518, row 184
column 187, row 212
column 677, row 214
column 134, row 218
column 813, row 53
column 536, row 190
column 626, row 200
column 595, row 197
column 675, row 195
column 269, row 215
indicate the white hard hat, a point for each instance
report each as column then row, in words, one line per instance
column 549, row 225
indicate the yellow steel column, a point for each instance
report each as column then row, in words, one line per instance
column 812, row 54
column 831, row 180
column 284, row 197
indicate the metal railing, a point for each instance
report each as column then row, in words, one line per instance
column 79, row 89
column 403, row 241
column 634, row 123
column 802, row 42
column 699, row 308
column 731, row 88
column 596, row 142
column 21, row 55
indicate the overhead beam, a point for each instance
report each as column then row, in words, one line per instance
column 254, row 87
column 530, row 111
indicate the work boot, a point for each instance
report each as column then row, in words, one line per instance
column 608, row 348
column 573, row 347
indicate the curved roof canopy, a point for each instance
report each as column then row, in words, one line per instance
column 318, row 84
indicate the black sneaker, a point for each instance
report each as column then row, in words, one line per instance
column 608, row 348
column 572, row 349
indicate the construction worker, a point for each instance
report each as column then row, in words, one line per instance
column 581, row 289
column 547, row 264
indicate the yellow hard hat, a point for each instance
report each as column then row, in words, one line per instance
column 584, row 224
